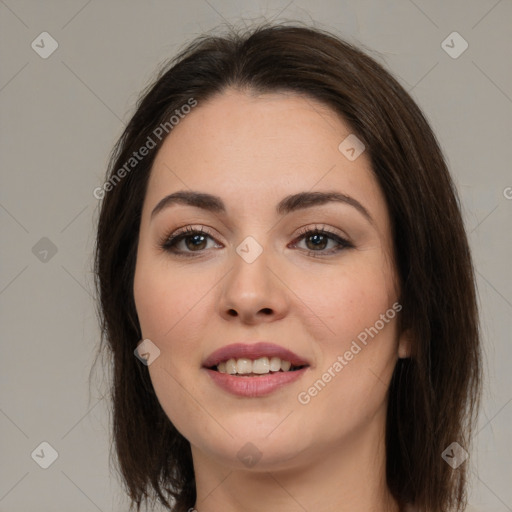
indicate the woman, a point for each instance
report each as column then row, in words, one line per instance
column 281, row 247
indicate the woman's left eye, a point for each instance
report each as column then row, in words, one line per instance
column 195, row 241
column 317, row 240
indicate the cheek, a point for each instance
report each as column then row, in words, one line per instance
column 181, row 400
column 165, row 299
column 172, row 311
column 352, row 303
column 348, row 299
column 168, row 304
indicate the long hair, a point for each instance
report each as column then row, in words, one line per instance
column 434, row 394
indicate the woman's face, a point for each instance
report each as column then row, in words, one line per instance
column 263, row 272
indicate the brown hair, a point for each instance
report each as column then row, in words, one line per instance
column 434, row 394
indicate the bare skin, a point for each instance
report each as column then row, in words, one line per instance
column 320, row 451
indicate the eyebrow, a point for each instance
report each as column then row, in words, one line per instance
column 292, row 203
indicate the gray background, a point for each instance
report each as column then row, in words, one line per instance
column 60, row 118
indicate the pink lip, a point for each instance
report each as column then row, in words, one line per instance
column 252, row 387
column 253, row 351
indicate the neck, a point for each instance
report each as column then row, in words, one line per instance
column 350, row 477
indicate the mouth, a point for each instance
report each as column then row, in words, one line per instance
column 254, row 370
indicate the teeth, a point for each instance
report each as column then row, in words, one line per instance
column 230, row 367
column 285, row 365
column 275, row 364
column 243, row 366
column 261, row 366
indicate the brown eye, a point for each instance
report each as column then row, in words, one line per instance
column 196, row 241
column 186, row 241
column 317, row 240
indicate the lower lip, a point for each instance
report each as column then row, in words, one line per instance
column 255, row 386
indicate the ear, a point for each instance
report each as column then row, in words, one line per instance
column 405, row 344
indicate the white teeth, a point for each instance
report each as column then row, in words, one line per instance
column 230, row 367
column 243, row 366
column 275, row 364
column 261, row 366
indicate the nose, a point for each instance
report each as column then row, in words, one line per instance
column 254, row 292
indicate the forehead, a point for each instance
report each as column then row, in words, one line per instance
column 256, row 148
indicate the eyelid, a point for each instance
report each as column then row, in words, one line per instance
column 322, row 228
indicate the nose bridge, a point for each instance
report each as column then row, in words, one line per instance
column 252, row 288
column 249, row 278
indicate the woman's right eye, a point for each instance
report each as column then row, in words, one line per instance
column 186, row 241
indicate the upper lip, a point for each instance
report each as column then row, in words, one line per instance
column 253, row 351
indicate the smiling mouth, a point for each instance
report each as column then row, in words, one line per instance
column 244, row 367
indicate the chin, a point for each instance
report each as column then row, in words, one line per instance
column 254, row 449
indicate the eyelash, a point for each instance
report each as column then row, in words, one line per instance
column 168, row 242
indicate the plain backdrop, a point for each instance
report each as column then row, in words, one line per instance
column 60, row 116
